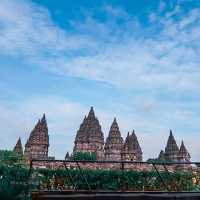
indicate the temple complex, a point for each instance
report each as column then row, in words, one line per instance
column 38, row 142
column 90, row 139
column 114, row 143
column 18, row 147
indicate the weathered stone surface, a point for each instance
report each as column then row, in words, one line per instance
column 18, row 147
column 131, row 150
column 161, row 155
column 89, row 137
column 114, row 143
column 173, row 153
column 38, row 142
column 183, row 153
column 171, row 150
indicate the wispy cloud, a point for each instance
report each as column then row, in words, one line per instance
column 121, row 54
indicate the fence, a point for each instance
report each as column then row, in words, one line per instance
column 114, row 176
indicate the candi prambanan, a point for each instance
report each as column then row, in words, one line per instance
column 90, row 138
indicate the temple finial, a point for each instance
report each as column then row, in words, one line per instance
column 91, row 113
column 133, row 133
column 43, row 120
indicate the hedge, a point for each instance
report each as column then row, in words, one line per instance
column 14, row 180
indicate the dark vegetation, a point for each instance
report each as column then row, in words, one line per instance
column 15, row 181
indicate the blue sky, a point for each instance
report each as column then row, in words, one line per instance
column 134, row 60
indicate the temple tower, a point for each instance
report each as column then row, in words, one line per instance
column 89, row 137
column 161, row 156
column 171, row 150
column 38, row 142
column 114, row 143
column 131, row 150
column 18, row 147
column 183, row 153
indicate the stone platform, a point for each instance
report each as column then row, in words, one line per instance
column 100, row 195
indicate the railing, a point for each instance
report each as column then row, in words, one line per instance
column 114, row 176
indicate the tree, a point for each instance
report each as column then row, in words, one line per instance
column 10, row 158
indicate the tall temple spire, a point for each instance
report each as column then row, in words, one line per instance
column 161, row 156
column 114, row 143
column 38, row 142
column 171, row 149
column 183, row 153
column 44, row 124
column 131, row 149
column 18, row 147
column 89, row 137
column 136, row 144
column 91, row 114
column 43, row 120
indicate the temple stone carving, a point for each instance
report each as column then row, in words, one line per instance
column 131, row 150
column 183, row 153
column 161, row 156
column 38, row 142
column 18, row 147
column 89, row 137
column 172, row 151
column 114, row 143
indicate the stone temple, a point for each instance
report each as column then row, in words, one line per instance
column 131, row 150
column 18, row 147
column 90, row 138
column 114, row 143
column 38, row 142
column 173, row 152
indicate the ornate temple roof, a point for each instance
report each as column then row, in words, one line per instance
column 172, row 147
column 131, row 143
column 131, row 148
column 18, row 147
column 90, row 130
column 39, row 134
column 114, row 139
column 161, row 155
column 183, row 153
column 135, row 142
column 114, row 135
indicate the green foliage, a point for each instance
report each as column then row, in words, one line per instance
column 10, row 158
column 114, row 180
column 84, row 156
column 13, row 175
column 14, row 178
column 13, row 182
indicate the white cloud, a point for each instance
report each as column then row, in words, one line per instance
column 122, row 55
